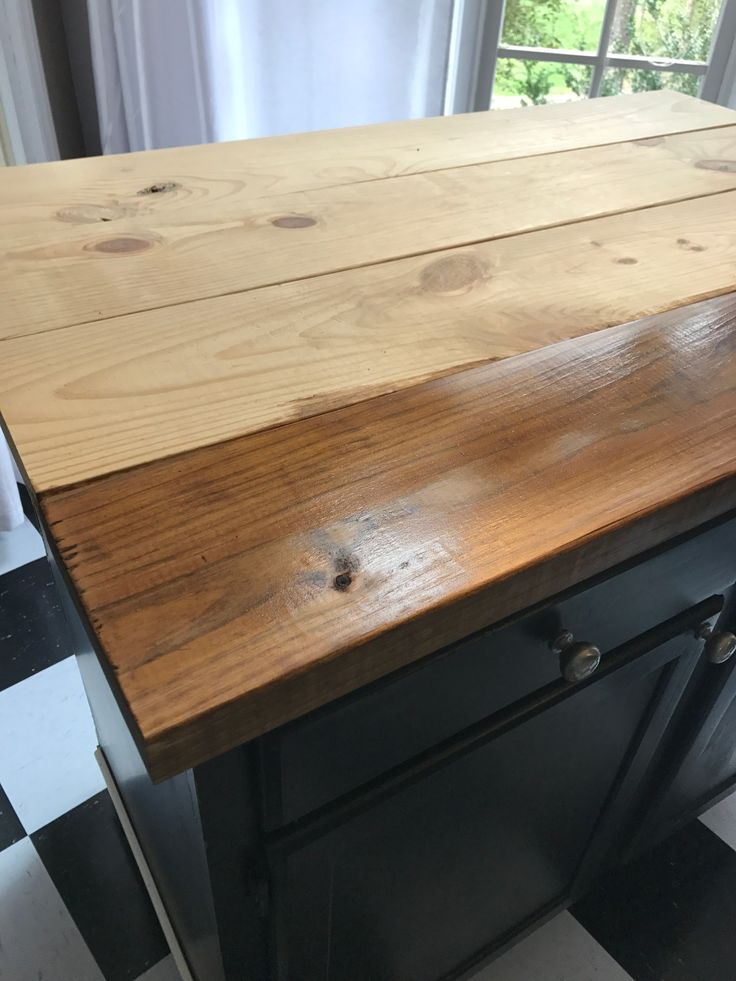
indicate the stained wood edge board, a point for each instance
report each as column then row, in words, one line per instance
column 76, row 265
column 237, row 587
column 99, row 398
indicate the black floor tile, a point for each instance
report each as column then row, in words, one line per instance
column 11, row 830
column 33, row 631
column 87, row 856
column 671, row 915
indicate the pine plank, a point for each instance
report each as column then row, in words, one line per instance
column 81, row 243
column 326, row 158
column 290, row 567
column 97, row 398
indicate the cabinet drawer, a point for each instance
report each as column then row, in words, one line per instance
column 336, row 749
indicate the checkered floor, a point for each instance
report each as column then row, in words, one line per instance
column 73, row 907
column 72, row 904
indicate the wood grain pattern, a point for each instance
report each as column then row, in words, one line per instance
column 76, row 260
column 290, row 567
column 301, row 161
column 97, row 398
column 208, row 248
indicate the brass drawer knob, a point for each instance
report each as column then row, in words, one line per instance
column 720, row 645
column 578, row 658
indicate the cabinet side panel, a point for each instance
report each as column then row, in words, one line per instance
column 165, row 816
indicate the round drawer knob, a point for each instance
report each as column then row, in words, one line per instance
column 578, row 658
column 720, row 645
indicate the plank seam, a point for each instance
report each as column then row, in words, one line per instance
column 382, row 262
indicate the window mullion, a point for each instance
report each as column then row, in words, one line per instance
column 721, row 75
column 562, row 55
column 602, row 54
column 658, row 65
column 565, row 56
column 476, row 35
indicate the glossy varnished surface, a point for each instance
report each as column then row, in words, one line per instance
column 290, row 567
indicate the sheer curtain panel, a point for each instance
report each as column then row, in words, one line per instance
column 174, row 72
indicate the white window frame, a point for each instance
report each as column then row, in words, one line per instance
column 475, row 48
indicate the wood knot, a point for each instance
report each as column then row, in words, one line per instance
column 689, row 246
column 159, row 188
column 455, row 273
column 85, row 214
column 124, row 245
column 346, row 564
column 724, row 166
column 627, row 260
column 294, row 221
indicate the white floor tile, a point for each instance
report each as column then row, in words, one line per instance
column 165, row 970
column 561, row 950
column 48, row 740
column 38, row 938
column 721, row 820
column 23, row 544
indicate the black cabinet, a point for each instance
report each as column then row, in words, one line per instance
column 420, row 874
column 410, row 831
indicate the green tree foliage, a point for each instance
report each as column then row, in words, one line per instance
column 665, row 29
column 531, row 23
column 652, row 28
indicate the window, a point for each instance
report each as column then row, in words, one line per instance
column 530, row 52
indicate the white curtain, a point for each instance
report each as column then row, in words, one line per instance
column 174, row 72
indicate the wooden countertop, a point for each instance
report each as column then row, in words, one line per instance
column 299, row 411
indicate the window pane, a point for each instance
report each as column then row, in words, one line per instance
column 664, row 28
column 572, row 24
column 622, row 81
column 523, row 83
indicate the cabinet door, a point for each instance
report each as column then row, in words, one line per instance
column 424, row 873
column 701, row 761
